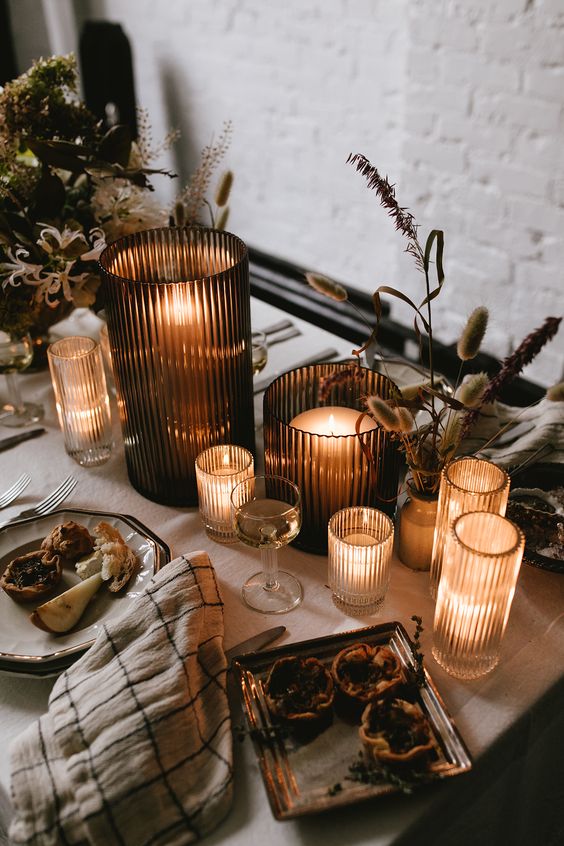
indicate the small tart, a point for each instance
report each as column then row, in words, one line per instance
column 299, row 692
column 31, row 576
column 362, row 673
column 396, row 732
column 69, row 540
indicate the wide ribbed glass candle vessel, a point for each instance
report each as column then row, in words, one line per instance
column 81, row 398
column 178, row 308
column 314, row 443
column 360, row 552
column 218, row 470
column 481, row 563
column 467, row 484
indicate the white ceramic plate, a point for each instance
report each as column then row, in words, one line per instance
column 22, row 643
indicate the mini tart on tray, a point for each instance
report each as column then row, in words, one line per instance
column 32, row 576
column 397, row 733
column 362, row 673
column 299, row 692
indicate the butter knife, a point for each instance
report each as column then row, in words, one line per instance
column 255, row 643
column 6, row 443
column 262, row 384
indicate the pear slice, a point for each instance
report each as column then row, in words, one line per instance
column 61, row 613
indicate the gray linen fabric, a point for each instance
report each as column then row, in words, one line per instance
column 136, row 746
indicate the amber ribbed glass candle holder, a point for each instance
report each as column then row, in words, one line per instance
column 315, row 445
column 218, row 470
column 360, row 553
column 178, row 309
column 467, row 484
column 81, row 398
column 481, row 563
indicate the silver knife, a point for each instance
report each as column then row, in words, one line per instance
column 262, row 384
column 255, row 643
column 6, row 443
column 277, row 327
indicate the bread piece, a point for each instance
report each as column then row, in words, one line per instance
column 69, row 540
column 118, row 560
column 32, row 576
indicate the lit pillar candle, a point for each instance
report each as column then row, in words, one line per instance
column 81, row 398
column 360, row 552
column 218, row 470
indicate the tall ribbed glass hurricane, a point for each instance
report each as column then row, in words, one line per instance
column 467, row 484
column 83, row 406
column 483, row 554
column 179, row 324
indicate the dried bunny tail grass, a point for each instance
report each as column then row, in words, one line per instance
column 221, row 222
column 450, row 438
column 386, row 416
column 473, row 334
column 352, row 373
column 471, row 391
column 410, row 392
column 527, row 350
column 224, row 189
column 406, row 420
column 327, row 287
column 556, row 392
column 194, row 195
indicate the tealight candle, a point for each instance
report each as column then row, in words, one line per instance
column 218, row 470
column 481, row 562
column 360, row 552
column 83, row 406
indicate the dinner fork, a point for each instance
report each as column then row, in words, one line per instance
column 52, row 501
column 15, row 490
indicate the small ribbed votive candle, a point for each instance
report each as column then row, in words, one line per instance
column 481, row 562
column 218, row 470
column 360, row 552
column 467, row 484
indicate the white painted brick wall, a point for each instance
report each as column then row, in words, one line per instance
column 460, row 102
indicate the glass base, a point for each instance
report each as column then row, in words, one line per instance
column 465, row 667
column 28, row 414
column 284, row 597
column 358, row 610
column 91, row 457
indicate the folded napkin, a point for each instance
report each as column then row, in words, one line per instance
column 136, row 745
column 546, row 420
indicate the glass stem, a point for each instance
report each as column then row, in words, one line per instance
column 14, row 394
column 269, row 561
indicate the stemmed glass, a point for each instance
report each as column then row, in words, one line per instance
column 259, row 351
column 16, row 353
column 267, row 515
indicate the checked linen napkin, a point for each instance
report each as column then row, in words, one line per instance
column 136, row 745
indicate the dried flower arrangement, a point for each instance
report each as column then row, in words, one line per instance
column 428, row 422
column 67, row 187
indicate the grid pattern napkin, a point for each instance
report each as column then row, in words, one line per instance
column 136, row 745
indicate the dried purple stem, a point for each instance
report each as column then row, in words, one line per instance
column 353, row 373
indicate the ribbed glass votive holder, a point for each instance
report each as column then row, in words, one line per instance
column 315, row 444
column 467, row 484
column 81, row 397
column 218, row 470
column 360, row 552
column 179, row 321
column 483, row 553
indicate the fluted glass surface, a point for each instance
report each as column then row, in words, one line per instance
column 467, row 484
column 332, row 471
column 360, row 552
column 483, row 553
column 83, row 406
column 218, row 470
column 178, row 308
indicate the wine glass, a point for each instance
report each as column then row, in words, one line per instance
column 16, row 353
column 268, row 515
column 259, row 351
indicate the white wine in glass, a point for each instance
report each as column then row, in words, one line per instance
column 259, row 352
column 16, row 353
column 267, row 515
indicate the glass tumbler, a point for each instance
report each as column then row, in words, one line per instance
column 361, row 540
column 81, row 397
column 467, row 484
column 218, row 470
column 483, row 553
